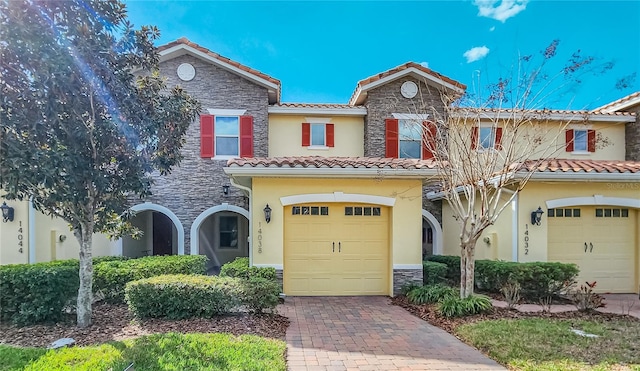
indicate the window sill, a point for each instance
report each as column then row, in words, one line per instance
column 581, row 153
column 224, row 158
column 322, row 148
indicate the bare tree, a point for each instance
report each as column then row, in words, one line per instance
column 487, row 148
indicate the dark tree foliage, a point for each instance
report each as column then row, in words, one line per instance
column 80, row 132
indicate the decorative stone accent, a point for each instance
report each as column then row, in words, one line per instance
column 279, row 275
column 632, row 139
column 196, row 184
column 402, row 277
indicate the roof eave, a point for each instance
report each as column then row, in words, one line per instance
column 569, row 116
column 619, row 106
column 313, row 172
column 318, row 111
column 181, row 49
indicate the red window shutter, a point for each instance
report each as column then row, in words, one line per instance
column 474, row 137
column 206, row 136
column 591, row 140
column 391, row 138
column 246, row 136
column 568, row 134
column 429, row 133
column 330, row 135
column 498, row 138
column 306, row 134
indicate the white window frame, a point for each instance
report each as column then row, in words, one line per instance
column 317, row 121
column 216, row 136
column 577, row 151
column 324, row 135
column 415, row 123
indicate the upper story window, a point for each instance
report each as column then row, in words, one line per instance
column 410, row 138
column 486, row 137
column 580, row 141
column 318, row 135
column 227, row 131
column 226, row 136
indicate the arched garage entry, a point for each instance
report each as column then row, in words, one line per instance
column 221, row 233
column 163, row 233
column 432, row 243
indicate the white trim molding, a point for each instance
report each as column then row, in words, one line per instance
column 337, row 197
column 226, row 112
column 594, row 200
column 346, row 111
column 438, row 247
column 411, row 116
column 195, row 227
column 174, row 218
column 407, row 266
column 317, row 120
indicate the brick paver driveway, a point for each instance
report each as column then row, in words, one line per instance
column 368, row 333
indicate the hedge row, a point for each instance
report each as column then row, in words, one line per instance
column 185, row 296
column 434, row 272
column 240, row 268
column 32, row 293
column 537, row 279
column 110, row 278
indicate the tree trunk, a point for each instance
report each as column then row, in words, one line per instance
column 467, row 268
column 85, row 292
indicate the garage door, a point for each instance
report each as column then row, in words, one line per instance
column 336, row 249
column 600, row 240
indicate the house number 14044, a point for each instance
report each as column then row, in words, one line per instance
column 20, row 237
column 526, row 239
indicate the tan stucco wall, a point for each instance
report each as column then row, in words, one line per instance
column 406, row 220
column 47, row 233
column 285, row 136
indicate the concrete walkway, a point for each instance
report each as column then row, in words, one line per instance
column 368, row 333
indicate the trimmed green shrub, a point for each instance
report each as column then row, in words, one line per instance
column 110, row 277
column 183, row 296
column 32, row 293
column 259, row 294
column 240, row 268
column 408, row 287
column 456, row 307
column 434, row 272
column 431, row 294
column 537, row 280
column 453, row 266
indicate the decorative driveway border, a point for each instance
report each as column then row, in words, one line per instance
column 368, row 333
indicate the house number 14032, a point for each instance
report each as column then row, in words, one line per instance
column 20, row 237
column 526, row 239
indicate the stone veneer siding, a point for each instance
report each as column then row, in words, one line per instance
column 385, row 100
column 196, row 184
column 402, row 277
column 632, row 138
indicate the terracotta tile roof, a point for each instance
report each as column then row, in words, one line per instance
column 617, row 102
column 582, row 166
column 332, row 162
column 407, row 65
column 543, row 112
column 185, row 41
column 317, row 105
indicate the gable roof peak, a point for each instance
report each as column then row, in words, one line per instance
column 183, row 46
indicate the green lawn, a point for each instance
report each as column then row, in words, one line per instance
column 169, row 351
column 549, row 344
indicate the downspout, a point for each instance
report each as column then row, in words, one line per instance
column 514, row 225
column 32, row 232
column 248, row 191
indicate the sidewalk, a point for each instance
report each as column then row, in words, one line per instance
column 615, row 303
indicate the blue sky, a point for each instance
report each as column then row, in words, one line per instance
column 320, row 50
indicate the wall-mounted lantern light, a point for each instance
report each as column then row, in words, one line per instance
column 536, row 216
column 7, row 212
column 267, row 213
column 225, row 189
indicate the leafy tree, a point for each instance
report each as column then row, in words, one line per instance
column 80, row 133
column 480, row 183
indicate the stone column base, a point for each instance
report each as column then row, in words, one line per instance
column 402, row 277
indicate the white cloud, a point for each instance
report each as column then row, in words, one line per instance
column 500, row 10
column 476, row 53
column 424, row 64
column 492, row 28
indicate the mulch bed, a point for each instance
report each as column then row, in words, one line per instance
column 428, row 313
column 114, row 322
